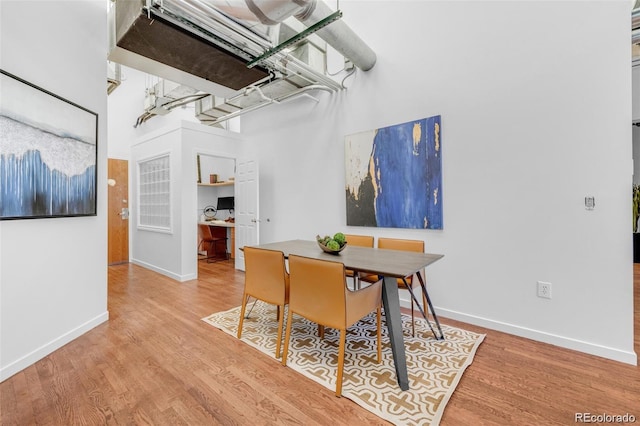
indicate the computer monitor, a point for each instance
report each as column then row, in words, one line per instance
column 225, row 203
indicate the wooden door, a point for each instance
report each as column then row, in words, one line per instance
column 118, row 184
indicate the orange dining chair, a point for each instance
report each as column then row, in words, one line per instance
column 407, row 282
column 359, row 241
column 265, row 278
column 319, row 293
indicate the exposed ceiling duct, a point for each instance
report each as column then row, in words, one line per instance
column 309, row 12
column 114, row 76
column 201, row 44
column 153, row 40
column 162, row 97
column 246, row 54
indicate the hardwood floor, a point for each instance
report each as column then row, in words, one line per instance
column 155, row 362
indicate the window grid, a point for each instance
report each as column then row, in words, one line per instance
column 154, row 189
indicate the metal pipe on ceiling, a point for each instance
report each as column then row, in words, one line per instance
column 243, row 111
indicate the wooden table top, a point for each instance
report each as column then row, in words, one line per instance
column 390, row 263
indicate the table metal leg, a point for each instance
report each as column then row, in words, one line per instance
column 391, row 302
column 414, row 300
column 433, row 312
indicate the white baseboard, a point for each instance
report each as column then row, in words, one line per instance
column 44, row 350
column 628, row 357
column 165, row 272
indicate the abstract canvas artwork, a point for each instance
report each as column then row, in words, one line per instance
column 394, row 176
column 48, row 153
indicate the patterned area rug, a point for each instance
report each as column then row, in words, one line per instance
column 434, row 367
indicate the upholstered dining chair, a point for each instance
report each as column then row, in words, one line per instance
column 319, row 293
column 359, row 241
column 403, row 283
column 266, row 278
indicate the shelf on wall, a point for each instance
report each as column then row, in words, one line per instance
column 227, row 183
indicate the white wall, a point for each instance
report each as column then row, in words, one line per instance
column 126, row 104
column 175, row 253
column 535, row 116
column 158, row 250
column 53, row 281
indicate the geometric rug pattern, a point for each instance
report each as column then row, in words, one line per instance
column 434, row 366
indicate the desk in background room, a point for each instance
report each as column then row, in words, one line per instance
column 221, row 228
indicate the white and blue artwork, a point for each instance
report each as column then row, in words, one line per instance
column 48, row 153
column 394, row 176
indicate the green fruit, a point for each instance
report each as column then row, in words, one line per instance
column 340, row 238
column 333, row 245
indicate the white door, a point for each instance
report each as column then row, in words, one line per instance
column 246, row 207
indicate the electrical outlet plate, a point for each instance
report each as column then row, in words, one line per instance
column 589, row 202
column 544, row 290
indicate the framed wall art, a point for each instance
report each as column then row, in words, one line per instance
column 48, row 153
column 394, row 176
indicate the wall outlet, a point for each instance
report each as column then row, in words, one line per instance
column 544, row 290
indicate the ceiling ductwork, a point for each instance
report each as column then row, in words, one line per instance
column 246, row 54
column 154, row 41
column 114, row 76
column 309, row 12
column 217, row 46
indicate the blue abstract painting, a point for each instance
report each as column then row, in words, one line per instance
column 48, row 153
column 394, row 176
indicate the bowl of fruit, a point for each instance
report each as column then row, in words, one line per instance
column 333, row 245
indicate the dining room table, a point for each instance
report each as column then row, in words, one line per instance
column 389, row 265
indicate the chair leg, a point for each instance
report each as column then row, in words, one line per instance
column 280, row 321
column 343, row 338
column 245, row 297
column 424, row 303
column 321, row 331
column 287, row 336
column 413, row 320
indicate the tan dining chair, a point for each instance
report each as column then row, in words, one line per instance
column 359, row 241
column 403, row 283
column 266, row 279
column 319, row 293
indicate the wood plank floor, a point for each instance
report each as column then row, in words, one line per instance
column 156, row 363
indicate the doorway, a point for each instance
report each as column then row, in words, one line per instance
column 216, row 181
column 118, row 211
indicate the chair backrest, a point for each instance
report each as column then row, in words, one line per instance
column 404, row 245
column 265, row 276
column 317, row 290
column 400, row 244
column 360, row 240
column 205, row 233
